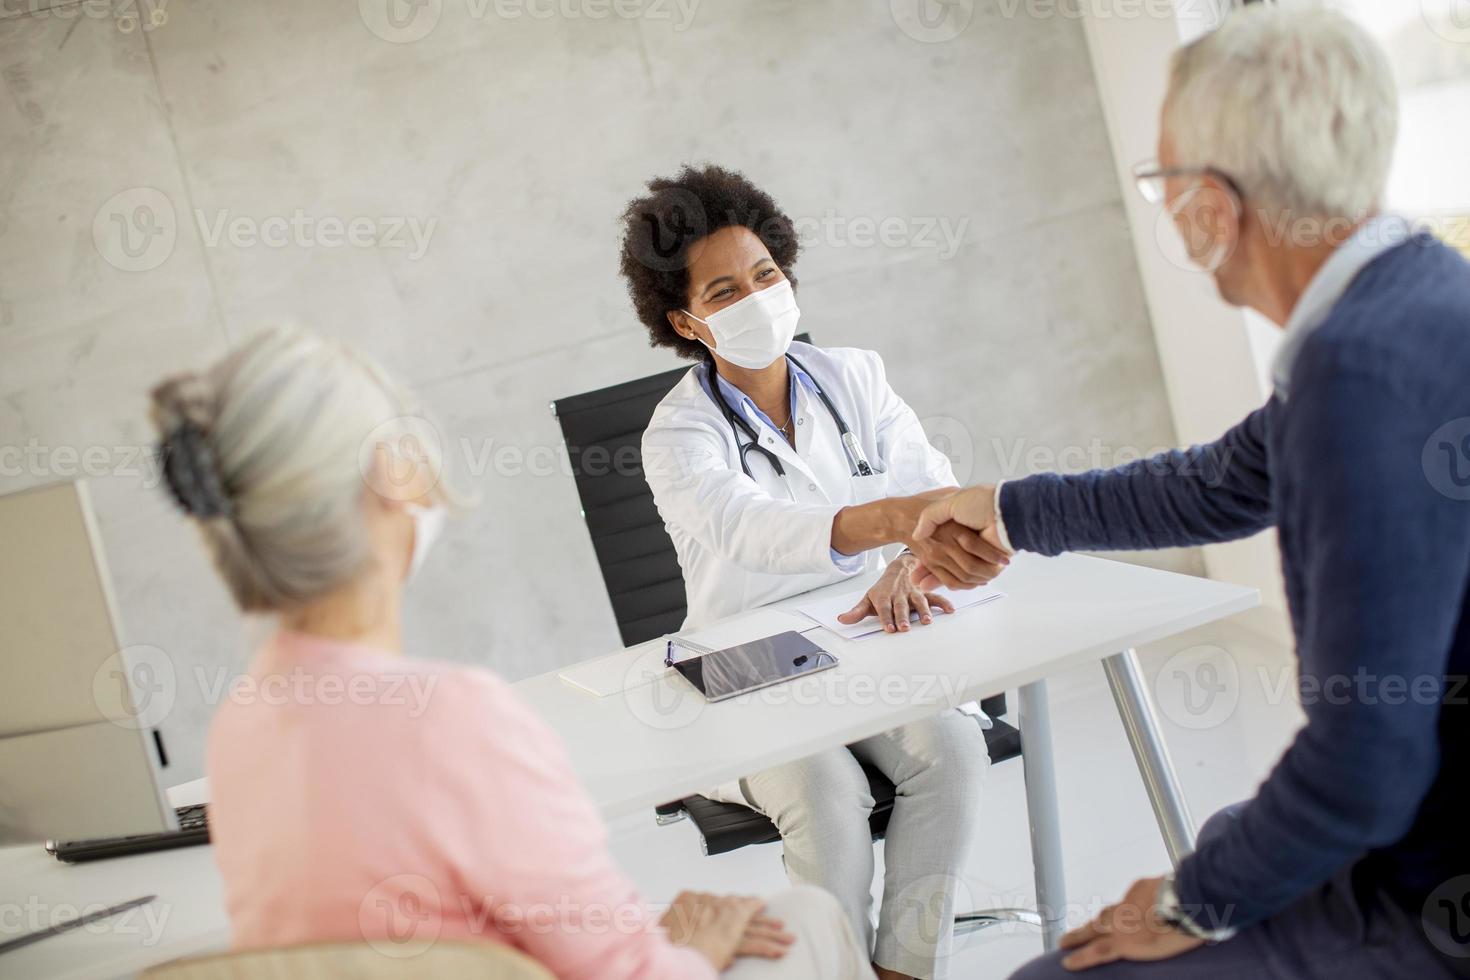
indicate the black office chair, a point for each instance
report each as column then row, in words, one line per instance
column 604, row 433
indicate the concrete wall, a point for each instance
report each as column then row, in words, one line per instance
column 953, row 177
column 1213, row 354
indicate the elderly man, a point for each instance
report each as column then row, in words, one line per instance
column 1353, row 859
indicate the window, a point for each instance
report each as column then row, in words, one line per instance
column 1428, row 45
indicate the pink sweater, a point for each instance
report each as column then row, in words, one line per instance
column 358, row 795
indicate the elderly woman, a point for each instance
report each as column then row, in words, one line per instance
column 375, row 798
column 780, row 467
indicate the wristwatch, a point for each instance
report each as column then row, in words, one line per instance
column 1170, row 912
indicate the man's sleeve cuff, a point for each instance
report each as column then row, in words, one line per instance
column 1000, row 522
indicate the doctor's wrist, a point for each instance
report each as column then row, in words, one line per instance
column 904, row 563
column 901, row 518
column 863, row 527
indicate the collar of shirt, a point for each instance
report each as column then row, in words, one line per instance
column 1373, row 237
column 739, row 401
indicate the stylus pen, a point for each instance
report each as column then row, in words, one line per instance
column 61, row 927
column 694, row 648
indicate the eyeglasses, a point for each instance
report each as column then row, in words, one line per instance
column 1150, row 178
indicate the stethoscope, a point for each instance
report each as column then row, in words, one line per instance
column 739, row 424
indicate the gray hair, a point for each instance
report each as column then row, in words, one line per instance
column 271, row 451
column 1298, row 106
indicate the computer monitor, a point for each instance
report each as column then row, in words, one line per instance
column 77, row 760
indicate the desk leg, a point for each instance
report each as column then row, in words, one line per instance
column 1041, row 809
column 1136, row 709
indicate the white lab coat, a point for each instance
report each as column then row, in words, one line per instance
column 744, row 542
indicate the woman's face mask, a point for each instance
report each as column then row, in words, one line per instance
column 755, row 332
column 428, row 523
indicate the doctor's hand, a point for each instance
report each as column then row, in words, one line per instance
column 956, row 557
column 895, row 597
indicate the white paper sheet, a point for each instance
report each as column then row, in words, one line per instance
column 643, row 664
column 826, row 611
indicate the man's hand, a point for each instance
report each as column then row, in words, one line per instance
column 956, row 557
column 894, row 597
column 973, row 508
column 966, row 519
column 1127, row 931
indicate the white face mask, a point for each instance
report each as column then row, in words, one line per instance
column 1206, row 222
column 756, row 331
column 428, row 522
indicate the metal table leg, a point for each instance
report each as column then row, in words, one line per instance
column 1041, row 809
column 1159, row 779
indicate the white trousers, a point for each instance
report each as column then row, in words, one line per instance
column 821, row 806
column 825, row 945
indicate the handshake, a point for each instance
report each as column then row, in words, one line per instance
column 955, row 538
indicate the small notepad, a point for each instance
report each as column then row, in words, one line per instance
column 825, row 611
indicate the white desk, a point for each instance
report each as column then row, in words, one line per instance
column 188, row 917
column 659, row 742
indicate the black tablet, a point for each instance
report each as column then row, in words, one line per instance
column 754, row 665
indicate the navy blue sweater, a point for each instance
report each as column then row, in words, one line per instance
column 1364, row 469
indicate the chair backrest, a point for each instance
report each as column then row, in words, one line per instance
column 361, row 961
column 604, row 435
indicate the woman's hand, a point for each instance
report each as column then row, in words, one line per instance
column 895, row 597
column 765, row 937
column 721, row 927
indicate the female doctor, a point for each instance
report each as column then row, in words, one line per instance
column 780, row 467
